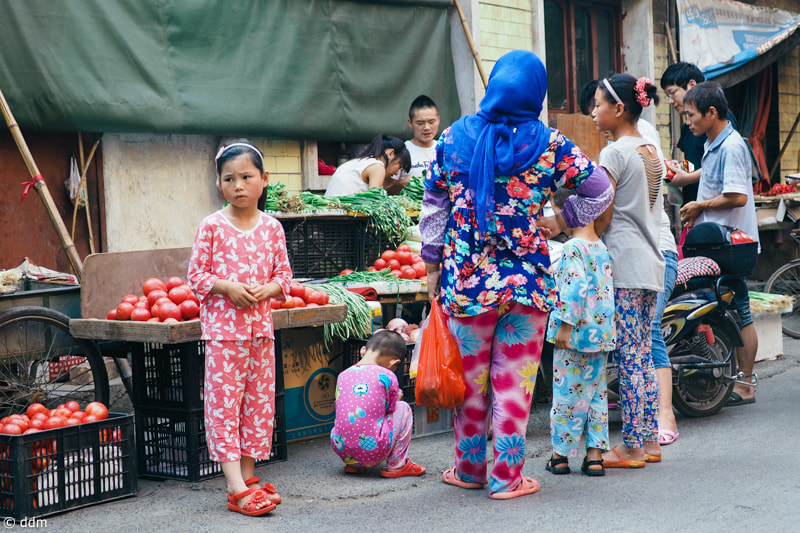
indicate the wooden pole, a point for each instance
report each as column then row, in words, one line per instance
column 84, row 169
column 471, row 43
column 41, row 187
column 785, row 145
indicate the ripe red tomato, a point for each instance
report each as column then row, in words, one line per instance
column 12, row 429
column 37, row 424
column 31, row 430
column 142, row 305
column 318, row 298
column 63, row 412
column 388, row 255
column 372, row 269
column 417, row 259
column 419, row 269
column 288, row 303
column 73, row 421
column 130, row 298
column 178, row 295
column 297, row 289
column 73, row 406
column 44, row 415
column 396, row 273
column 189, row 309
column 153, row 319
column 97, row 409
column 168, row 310
column 311, row 305
column 394, row 264
column 124, row 311
column 407, row 272
column 90, row 418
column 381, row 263
column 22, row 423
column 80, row 415
column 274, row 303
column 404, row 248
column 152, row 284
column 345, row 272
column 171, row 320
column 140, row 314
column 55, row 422
column 298, row 302
column 174, row 281
column 155, row 295
column 112, row 315
column 308, row 293
column 34, row 409
column 404, row 257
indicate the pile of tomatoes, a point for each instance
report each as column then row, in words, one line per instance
column 168, row 302
column 39, row 418
column 780, row 188
column 403, row 263
column 300, row 296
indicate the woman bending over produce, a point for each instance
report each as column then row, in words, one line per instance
column 385, row 156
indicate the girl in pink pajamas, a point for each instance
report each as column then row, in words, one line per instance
column 239, row 261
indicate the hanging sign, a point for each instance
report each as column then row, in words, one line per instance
column 720, row 35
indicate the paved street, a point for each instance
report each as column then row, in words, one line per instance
column 736, row 471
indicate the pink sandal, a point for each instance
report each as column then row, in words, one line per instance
column 528, row 485
column 451, row 478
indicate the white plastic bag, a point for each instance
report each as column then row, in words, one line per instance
column 412, row 369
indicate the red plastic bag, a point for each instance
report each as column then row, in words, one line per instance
column 440, row 374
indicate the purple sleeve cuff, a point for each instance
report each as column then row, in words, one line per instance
column 594, row 196
column 433, row 224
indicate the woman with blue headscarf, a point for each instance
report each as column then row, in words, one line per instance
column 485, row 240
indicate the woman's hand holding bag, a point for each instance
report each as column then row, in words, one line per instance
column 440, row 374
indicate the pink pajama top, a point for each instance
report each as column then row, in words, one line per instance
column 223, row 251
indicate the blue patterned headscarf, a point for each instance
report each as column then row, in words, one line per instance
column 506, row 133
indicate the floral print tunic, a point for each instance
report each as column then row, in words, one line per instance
column 511, row 262
column 223, row 251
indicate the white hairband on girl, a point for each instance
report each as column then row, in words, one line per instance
column 612, row 91
column 246, row 145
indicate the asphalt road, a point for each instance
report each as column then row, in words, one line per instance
column 736, row 471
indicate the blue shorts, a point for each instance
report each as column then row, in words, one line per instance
column 741, row 302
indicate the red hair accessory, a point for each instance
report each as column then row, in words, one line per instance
column 641, row 92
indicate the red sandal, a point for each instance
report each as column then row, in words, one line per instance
column 258, row 504
column 269, row 488
column 409, row 469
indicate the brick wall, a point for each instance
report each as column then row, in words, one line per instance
column 505, row 25
column 282, row 160
column 664, row 111
column 789, row 106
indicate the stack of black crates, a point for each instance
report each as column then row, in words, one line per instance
column 168, row 401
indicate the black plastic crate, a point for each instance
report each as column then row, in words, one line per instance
column 352, row 355
column 171, row 376
column 65, row 468
column 323, row 247
column 171, row 444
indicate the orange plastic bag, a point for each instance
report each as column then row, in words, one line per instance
column 440, row 374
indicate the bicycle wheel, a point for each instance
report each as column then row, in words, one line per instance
column 786, row 281
column 41, row 362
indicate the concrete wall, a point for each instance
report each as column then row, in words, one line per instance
column 789, row 107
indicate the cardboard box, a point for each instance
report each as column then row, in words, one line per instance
column 309, row 373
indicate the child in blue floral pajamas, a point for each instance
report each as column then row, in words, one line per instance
column 583, row 331
column 372, row 425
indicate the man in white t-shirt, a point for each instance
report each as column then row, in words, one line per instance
column 423, row 119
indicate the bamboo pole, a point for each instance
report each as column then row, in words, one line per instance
column 83, row 191
column 783, row 149
column 471, row 43
column 41, row 187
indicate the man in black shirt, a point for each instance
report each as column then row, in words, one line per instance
column 675, row 81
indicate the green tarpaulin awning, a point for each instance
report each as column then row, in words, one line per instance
column 313, row 69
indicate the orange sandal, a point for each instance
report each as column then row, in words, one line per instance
column 409, row 469
column 353, row 469
column 269, row 488
column 621, row 462
column 258, row 504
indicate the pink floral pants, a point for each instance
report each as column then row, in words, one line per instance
column 239, row 398
column 500, row 350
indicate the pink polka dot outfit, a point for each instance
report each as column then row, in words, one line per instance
column 371, row 425
column 240, row 350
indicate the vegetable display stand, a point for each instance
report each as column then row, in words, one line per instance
column 65, row 468
column 171, row 443
column 323, row 245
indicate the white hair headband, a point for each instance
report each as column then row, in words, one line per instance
column 246, row 145
column 611, row 91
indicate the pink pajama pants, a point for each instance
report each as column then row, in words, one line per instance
column 500, row 350
column 239, row 398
